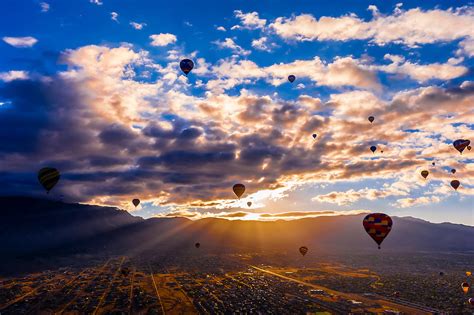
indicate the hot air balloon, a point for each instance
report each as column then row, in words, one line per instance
column 441, row 273
column 136, row 202
column 453, row 171
column 377, row 225
column 465, row 287
column 461, row 144
column 239, row 190
column 373, row 148
column 469, row 147
column 303, row 250
column 314, row 136
column 291, row 78
column 470, row 301
column 371, row 119
column 197, row 245
column 433, row 163
column 455, row 184
column 468, row 273
column 425, row 173
column 48, row 177
column 186, row 65
column 249, row 203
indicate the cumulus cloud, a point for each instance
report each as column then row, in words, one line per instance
column 162, row 39
column 137, row 26
column 20, row 42
column 249, row 20
column 98, row 2
column 229, row 43
column 263, row 44
column 221, row 28
column 44, row 6
column 13, row 75
column 411, row 27
column 114, row 16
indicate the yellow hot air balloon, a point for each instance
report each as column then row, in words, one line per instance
column 468, row 273
column 239, row 190
column 48, row 177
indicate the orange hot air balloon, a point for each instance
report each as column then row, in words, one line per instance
column 425, row 173
column 239, row 190
column 465, row 287
column 303, row 250
column 378, row 226
column 468, row 273
column 455, row 184
column 136, row 202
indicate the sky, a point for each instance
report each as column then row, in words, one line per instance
column 94, row 89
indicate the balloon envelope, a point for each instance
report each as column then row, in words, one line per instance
column 314, row 136
column 249, row 203
column 425, row 173
column 136, row 202
column 186, row 65
column 468, row 273
column 291, row 78
column 197, row 245
column 461, row 144
column 455, row 184
column 378, row 226
column 469, row 147
column 371, row 119
column 48, row 177
column 303, row 250
column 453, row 171
column 373, row 148
column 465, row 287
column 239, row 190
column 471, row 301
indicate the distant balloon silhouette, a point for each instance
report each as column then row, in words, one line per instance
column 465, row 287
column 441, row 273
column 433, row 163
column 461, row 144
column 48, row 177
column 469, row 147
column 197, row 245
column 239, row 190
column 314, row 136
column 453, row 171
column 371, row 119
column 378, row 226
column 249, row 204
column 291, row 78
column 303, row 250
column 425, row 173
column 136, row 202
column 455, row 184
column 186, row 65
column 471, row 301
column 373, row 148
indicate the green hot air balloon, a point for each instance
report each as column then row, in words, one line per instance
column 48, row 177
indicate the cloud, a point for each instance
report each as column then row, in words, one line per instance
column 162, row 39
column 263, row 44
column 410, row 28
column 249, row 20
column 44, row 7
column 13, row 75
column 137, row 26
column 221, row 28
column 114, row 16
column 20, row 42
column 229, row 43
column 98, row 2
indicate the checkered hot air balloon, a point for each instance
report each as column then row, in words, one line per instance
column 377, row 225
